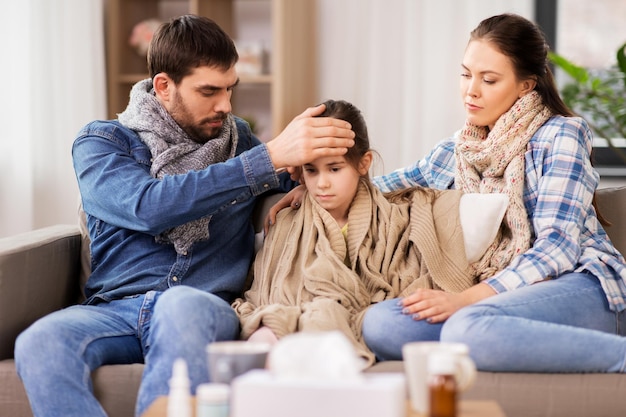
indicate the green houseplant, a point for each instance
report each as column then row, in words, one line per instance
column 599, row 96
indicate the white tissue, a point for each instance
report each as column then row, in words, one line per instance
column 315, row 356
column 313, row 375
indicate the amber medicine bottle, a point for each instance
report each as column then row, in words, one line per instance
column 442, row 387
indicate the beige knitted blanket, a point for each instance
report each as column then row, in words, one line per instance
column 301, row 282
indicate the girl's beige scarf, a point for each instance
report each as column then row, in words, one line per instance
column 301, row 282
column 493, row 162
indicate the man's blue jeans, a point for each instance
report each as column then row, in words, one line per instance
column 562, row 325
column 56, row 355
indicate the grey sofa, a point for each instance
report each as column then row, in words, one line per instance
column 40, row 272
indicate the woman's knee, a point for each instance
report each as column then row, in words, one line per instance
column 376, row 322
column 386, row 329
column 467, row 325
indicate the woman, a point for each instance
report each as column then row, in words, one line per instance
column 553, row 289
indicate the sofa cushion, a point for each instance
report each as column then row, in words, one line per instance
column 115, row 387
column 112, row 385
column 13, row 399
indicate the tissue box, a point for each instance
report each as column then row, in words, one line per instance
column 260, row 394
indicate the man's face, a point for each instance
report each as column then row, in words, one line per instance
column 201, row 102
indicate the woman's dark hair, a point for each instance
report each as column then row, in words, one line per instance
column 187, row 42
column 340, row 109
column 525, row 45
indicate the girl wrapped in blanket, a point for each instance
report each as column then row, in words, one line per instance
column 349, row 246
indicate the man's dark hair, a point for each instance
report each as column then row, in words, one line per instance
column 187, row 42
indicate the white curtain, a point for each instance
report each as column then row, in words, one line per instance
column 399, row 61
column 54, row 83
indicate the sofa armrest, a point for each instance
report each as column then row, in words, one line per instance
column 612, row 203
column 38, row 274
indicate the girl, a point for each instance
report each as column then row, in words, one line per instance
column 557, row 303
column 347, row 247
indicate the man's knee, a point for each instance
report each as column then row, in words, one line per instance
column 185, row 301
column 38, row 344
column 188, row 311
column 181, row 298
column 24, row 348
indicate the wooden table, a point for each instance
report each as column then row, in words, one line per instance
column 466, row 409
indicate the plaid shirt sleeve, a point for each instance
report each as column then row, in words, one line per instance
column 436, row 170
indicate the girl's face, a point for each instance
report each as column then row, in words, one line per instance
column 333, row 182
column 489, row 86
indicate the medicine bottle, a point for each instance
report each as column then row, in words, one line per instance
column 442, row 384
column 213, row 400
column 179, row 401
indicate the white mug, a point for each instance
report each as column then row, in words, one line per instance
column 415, row 356
column 229, row 359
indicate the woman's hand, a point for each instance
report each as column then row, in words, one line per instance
column 436, row 306
column 295, row 173
column 432, row 305
column 293, row 198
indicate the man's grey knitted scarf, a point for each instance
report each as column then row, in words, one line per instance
column 174, row 152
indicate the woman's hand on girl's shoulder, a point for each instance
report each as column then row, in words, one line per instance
column 292, row 199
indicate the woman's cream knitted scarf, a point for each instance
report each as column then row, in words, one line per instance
column 493, row 162
column 174, row 152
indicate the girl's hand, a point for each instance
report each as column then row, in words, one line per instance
column 436, row 306
column 293, row 198
column 264, row 335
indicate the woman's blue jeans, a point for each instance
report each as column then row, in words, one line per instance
column 562, row 325
column 56, row 355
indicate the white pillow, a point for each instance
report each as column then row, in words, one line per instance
column 481, row 216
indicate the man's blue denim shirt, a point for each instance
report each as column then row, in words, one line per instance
column 126, row 208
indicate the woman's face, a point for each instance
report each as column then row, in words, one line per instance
column 489, row 86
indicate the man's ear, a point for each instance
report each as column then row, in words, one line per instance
column 365, row 163
column 161, row 84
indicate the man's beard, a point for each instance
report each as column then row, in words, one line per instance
column 183, row 117
column 200, row 135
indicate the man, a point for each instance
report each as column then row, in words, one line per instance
column 168, row 190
